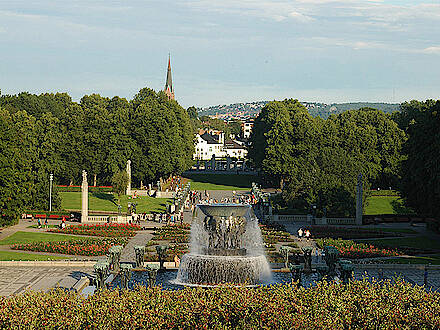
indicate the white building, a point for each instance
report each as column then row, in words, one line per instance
column 247, row 129
column 214, row 143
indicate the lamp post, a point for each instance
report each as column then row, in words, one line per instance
column 50, row 191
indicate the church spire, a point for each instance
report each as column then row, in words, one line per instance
column 169, row 90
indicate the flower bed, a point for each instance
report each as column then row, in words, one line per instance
column 83, row 247
column 105, row 230
column 352, row 250
column 360, row 305
column 174, row 233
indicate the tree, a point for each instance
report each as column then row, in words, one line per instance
column 119, row 184
column 420, row 172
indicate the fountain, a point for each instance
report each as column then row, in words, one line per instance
column 226, row 247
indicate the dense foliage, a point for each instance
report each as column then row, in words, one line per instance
column 49, row 133
column 317, row 161
column 421, row 168
column 360, row 304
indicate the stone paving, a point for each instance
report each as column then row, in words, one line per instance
column 141, row 238
column 15, row 280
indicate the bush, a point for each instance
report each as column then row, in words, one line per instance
column 61, row 188
column 327, row 306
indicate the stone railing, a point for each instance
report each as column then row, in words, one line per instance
column 340, row 221
column 106, row 218
column 292, row 218
column 309, row 219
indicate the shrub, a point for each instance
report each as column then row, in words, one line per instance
column 358, row 305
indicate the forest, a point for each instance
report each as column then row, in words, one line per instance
column 317, row 161
column 49, row 133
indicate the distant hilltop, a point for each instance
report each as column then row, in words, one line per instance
column 252, row 109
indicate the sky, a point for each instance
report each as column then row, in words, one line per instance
column 224, row 51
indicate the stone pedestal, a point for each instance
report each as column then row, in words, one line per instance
column 84, row 198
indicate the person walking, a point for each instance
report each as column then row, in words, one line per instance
column 45, row 223
column 300, row 233
column 307, row 234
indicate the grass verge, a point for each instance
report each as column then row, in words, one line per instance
column 21, row 237
column 201, row 181
column 8, row 256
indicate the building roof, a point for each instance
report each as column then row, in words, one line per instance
column 169, row 82
column 209, row 138
column 231, row 144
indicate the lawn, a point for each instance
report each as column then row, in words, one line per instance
column 201, row 181
column 433, row 260
column 8, row 255
column 386, row 205
column 28, row 237
column 418, row 242
column 108, row 202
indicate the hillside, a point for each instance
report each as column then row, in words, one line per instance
column 252, row 109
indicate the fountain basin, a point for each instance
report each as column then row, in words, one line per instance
column 207, row 270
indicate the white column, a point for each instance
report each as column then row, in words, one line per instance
column 129, row 177
column 84, row 198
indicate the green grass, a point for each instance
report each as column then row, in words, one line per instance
column 108, row 202
column 8, row 256
column 28, row 237
column 419, row 242
column 397, row 230
column 433, row 260
column 386, row 205
column 203, row 181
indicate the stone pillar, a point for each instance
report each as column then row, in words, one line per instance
column 129, row 177
column 84, row 198
column 359, row 200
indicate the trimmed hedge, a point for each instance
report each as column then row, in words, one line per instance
column 359, row 304
column 61, row 188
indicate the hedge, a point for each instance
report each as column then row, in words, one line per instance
column 359, row 304
column 61, row 188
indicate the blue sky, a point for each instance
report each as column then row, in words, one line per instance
column 224, row 51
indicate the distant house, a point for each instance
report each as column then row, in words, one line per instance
column 213, row 143
column 209, row 144
column 247, row 129
column 235, row 149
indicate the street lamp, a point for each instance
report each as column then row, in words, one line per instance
column 50, row 191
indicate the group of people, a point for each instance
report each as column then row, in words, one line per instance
column 304, row 233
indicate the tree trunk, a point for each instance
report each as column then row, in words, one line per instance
column 94, row 180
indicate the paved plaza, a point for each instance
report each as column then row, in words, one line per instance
column 15, row 280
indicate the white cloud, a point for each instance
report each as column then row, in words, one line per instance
column 432, row 50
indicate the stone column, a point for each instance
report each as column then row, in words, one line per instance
column 359, row 200
column 84, row 198
column 129, row 177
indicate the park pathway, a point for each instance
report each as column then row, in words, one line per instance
column 141, row 238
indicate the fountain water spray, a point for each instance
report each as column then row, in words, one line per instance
column 226, row 247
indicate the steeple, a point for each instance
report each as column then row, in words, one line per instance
column 169, row 90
